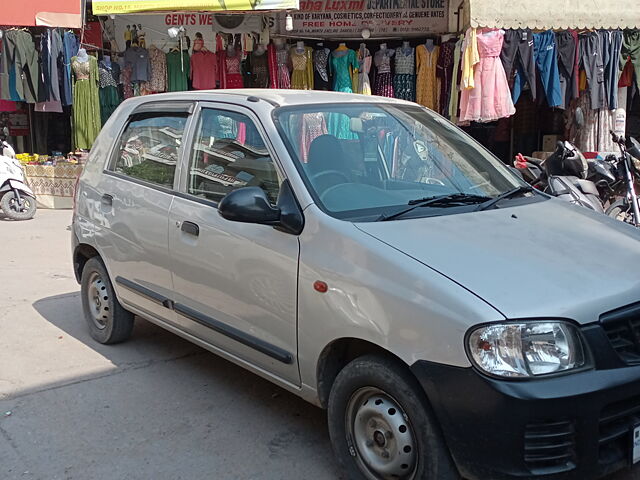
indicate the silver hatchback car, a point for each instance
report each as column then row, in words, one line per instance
column 367, row 255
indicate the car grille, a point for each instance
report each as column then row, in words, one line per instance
column 622, row 327
column 549, row 447
column 614, row 438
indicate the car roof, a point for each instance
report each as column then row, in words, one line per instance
column 278, row 98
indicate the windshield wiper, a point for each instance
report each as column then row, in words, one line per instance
column 503, row 196
column 440, row 200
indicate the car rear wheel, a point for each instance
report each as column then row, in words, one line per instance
column 108, row 321
column 381, row 426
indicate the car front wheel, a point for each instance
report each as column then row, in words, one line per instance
column 381, row 426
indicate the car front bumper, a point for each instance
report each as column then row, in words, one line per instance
column 576, row 426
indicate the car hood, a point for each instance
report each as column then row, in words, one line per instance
column 542, row 259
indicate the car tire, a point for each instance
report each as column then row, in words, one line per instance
column 108, row 321
column 381, row 425
column 9, row 208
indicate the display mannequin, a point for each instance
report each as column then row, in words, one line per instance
column 198, row 43
column 429, row 44
column 404, row 78
column 230, row 74
column 141, row 41
column 258, row 65
column 364, row 67
column 302, row 62
column 344, row 64
column 86, row 102
column 426, row 68
column 321, row 67
column 384, row 82
column 283, row 64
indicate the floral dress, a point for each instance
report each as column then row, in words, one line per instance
column 383, row 84
column 302, row 78
column 283, row 76
column 404, row 80
column 321, row 68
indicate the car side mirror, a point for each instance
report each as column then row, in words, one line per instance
column 249, row 205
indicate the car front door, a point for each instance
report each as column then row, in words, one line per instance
column 136, row 191
column 235, row 283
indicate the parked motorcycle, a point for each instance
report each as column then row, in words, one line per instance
column 17, row 200
column 626, row 209
column 562, row 175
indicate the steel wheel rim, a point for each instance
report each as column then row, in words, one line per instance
column 98, row 301
column 26, row 204
column 381, row 432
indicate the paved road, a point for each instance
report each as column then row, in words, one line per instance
column 155, row 407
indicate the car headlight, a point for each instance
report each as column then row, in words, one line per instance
column 527, row 349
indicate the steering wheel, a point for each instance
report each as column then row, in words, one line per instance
column 323, row 195
column 318, row 175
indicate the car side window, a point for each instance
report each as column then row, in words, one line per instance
column 149, row 147
column 229, row 153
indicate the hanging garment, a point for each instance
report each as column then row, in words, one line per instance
column 364, row 67
column 281, row 75
column 178, row 65
column 70, row 47
column 108, row 94
column 343, row 64
column 258, row 65
column 138, row 58
column 404, row 79
column 44, row 79
column 56, row 64
column 21, row 64
column 592, row 63
column 611, row 48
column 426, row 84
column 321, row 68
column 203, row 70
column 383, row 86
column 626, row 77
column 302, row 61
column 594, row 135
column 517, row 50
column 230, row 72
column 86, row 102
column 490, row 99
column 455, row 90
column 567, row 42
column 158, row 75
column 313, row 126
column 470, row 57
column 546, row 55
column 444, row 72
column 631, row 51
column 125, row 80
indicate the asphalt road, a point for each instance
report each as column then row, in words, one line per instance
column 155, row 407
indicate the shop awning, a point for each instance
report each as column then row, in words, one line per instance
column 47, row 13
column 553, row 14
column 107, row 7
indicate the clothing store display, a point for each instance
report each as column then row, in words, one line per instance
column 404, row 79
column 567, row 45
column 178, row 65
column 383, row 85
column 546, row 55
column 44, row 78
column 490, row 99
column 138, row 58
column 592, row 62
column 283, row 67
column 86, row 102
column 55, row 64
column 626, row 77
column 631, row 51
column 229, row 70
column 343, row 65
column 108, row 93
column 70, row 47
column 21, row 64
column 302, row 62
column 258, row 66
column 158, row 74
column 321, row 57
column 364, row 67
column 470, row 57
column 426, row 83
column 517, row 52
column 611, row 48
column 203, row 70
column 125, row 80
column 455, row 81
column 49, row 106
column 312, row 126
column 444, row 72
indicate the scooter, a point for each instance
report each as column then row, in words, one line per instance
column 562, row 175
column 628, row 208
column 17, row 200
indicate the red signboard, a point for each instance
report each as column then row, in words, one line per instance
column 31, row 13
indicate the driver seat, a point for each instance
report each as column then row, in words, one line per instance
column 327, row 163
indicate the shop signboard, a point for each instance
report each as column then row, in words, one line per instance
column 108, row 7
column 341, row 19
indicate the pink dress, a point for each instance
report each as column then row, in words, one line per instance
column 490, row 100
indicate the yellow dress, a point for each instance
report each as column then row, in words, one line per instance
column 426, row 82
column 470, row 57
column 302, row 76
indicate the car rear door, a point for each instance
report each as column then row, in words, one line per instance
column 235, row 283
column 136, row 191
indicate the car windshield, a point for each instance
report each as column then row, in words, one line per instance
column 361, row 161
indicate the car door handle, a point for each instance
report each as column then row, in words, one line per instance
column 107, row 200
column 190, row 228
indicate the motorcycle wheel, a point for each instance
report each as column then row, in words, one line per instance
column 11, row 209
column 621, row 210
